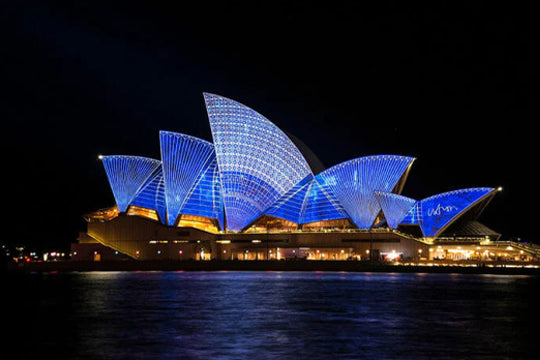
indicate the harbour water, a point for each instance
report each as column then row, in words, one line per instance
column 270, row 315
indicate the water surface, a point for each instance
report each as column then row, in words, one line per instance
column 272, row 315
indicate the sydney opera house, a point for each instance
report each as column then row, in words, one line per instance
column 258, row 193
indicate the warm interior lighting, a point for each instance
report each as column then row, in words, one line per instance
column 338, row 224
column 198, row 222
column 102, row 215
column 143, row 212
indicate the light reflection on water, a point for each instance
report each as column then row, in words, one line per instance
column 274, row 315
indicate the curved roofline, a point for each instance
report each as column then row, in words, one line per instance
column 101, row 157
column 447, row 193
column 490, row 194
column 385, row 194
column 155, row 164
column 249, row 144
column 354, row 181
column 205, row 94
column 190, row 137
column 312, row 159
column 369, row 157
column 176, row 195
column 401, row 182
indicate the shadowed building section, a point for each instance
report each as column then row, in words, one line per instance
column 313, row 160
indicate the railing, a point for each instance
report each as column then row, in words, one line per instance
column 532, row 249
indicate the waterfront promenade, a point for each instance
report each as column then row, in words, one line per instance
column 507, row 267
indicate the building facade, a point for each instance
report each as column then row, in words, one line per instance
column 252, row 195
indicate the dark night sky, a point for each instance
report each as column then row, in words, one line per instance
column 454, row 85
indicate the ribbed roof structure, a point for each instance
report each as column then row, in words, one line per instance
column 437, row 212
column 184, row 157
column 355, row 182
column 258, row 163
column 253, row 169
column 126, row 175
column 394, row 206
column 152, row 194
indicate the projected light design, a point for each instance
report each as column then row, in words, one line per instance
column 152, row 194
column 205, row 197
column 253, row 169
column 183, row 158
column 291, row 205
column 394, row 206
column 258, row 163
column 354, row 183
column 321, row 204
column 435, row 213
column 126, row 174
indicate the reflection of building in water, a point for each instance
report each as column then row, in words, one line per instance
column 255, row 194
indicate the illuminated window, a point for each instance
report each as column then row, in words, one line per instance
column 102, row 215
column 328, row 224
column 143, row 212
column 272, row 224
column 198, row 222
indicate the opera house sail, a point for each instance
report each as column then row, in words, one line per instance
column 253, row 180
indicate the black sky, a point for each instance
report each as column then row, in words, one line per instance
column 455, row 85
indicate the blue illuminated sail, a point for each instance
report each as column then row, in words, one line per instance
column 290, row 205
column 437, row 212
column 354, row 183
column 394, row 207
column 257, row 162
column 183, row 158
column 152, row 195
column 126, row 175
column 321, row 204
column 205, row 197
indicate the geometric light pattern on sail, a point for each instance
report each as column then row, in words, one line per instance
column 183, row 158
column 126, row 174
column 321, row 204
column 354, row 183
column 437, row 212
column 394, row 206
column 414, row 216
column 257, row 162
column 290, row 205
column 152, row 195
column 205, row 196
